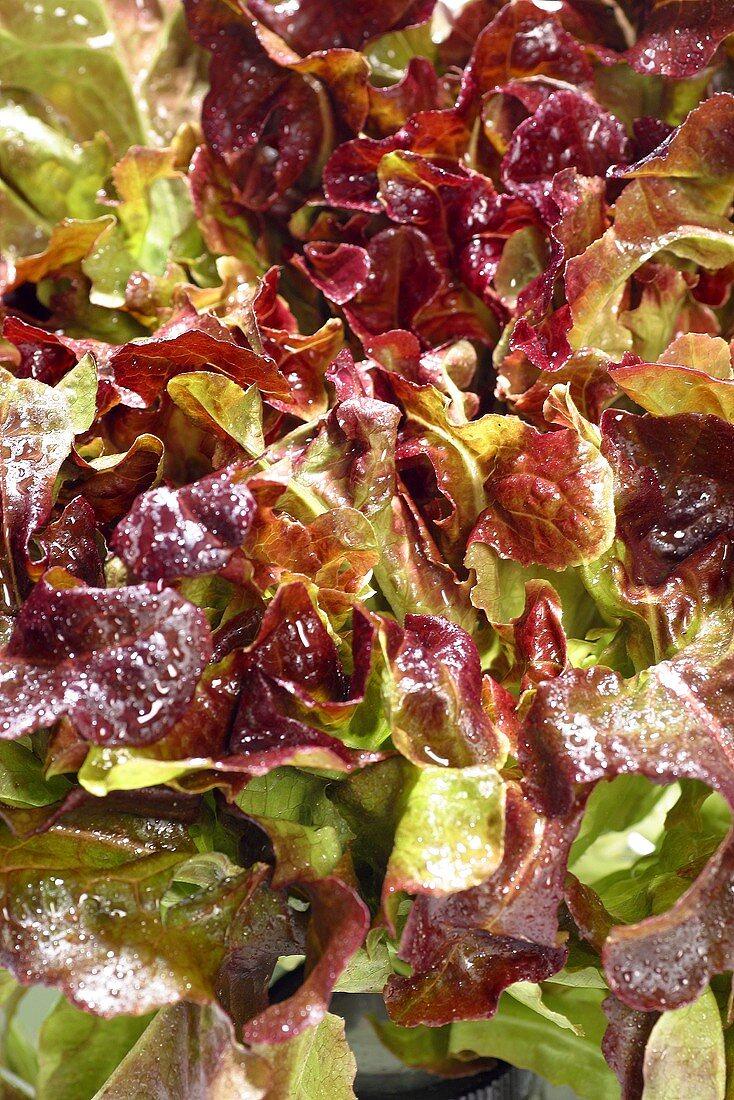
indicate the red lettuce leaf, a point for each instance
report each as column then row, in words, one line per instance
column 189, row 342
column 294, row 648
column 338, row 921
column 590, row 387
column 43, row 355
column 384, row 286
column 668, row 723
column 624, row 1044
column 314, row 25
column 270, row 124
column 340, row 271
column 569, row 130
column 436, row 711
column 674, row 488
column 526, row 40
column 350, row 175
column 678, row 39
column 538, row 636
column 264, row 736
column 581, row 219
column 293, row 683
column 302, row 360
column 112, row 490
column 122, row 664
column 465, row 219
column 466, row 948
column 227, row 226
column 72, row 542
column 261, row 120
column 673, row 503
column 336, row 551
column 392, row 106
column 185, row 532
column 551, row 500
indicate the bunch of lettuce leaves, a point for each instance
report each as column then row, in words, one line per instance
column 367, row 542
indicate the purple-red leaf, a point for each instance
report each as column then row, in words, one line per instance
column 122, row 663
column 72, row 543
column 42, row 354
column 314, row 25
column 569, row 130
column 185, row 532
column 466, row 948
column 678, row 37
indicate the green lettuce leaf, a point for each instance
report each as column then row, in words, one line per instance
column 443, row 805
column 78, row 1052
column 107, row 887
column 567, row 1055
column 307, row 833
column 685, row 1053
column 126, row 85
column 187, row 1052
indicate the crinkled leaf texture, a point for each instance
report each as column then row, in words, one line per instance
column 668, row 723
column 184, row 532
column 366, row 499
column 122, row 663
column 104, row 887
column 466, row 948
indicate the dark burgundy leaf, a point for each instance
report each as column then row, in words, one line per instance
column 466, row 948
column 624, row 1044
column 569, row 130
column 545, row 345
column 678, row 37
column 72, row 543
column 262, row 120
column 264, row 736
column 403, row 278
column 122, row 663
column 42, row 354
column 309, row 25
column 294, row 647
column 185, row 532
column 340, row 271
column 674, row 485
column 649, row 132
column 350, row 175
